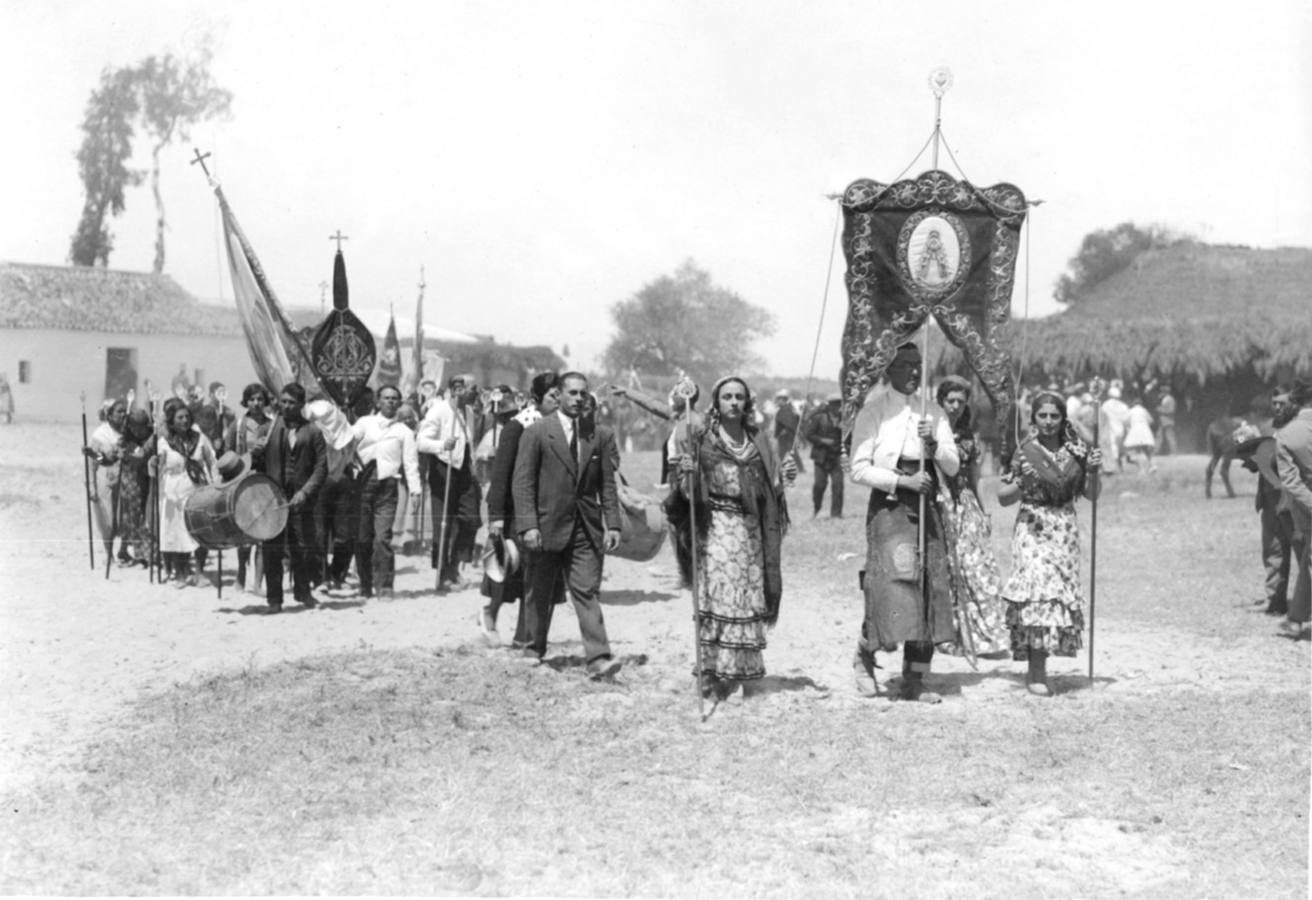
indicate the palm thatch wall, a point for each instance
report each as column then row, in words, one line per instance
column 1219, row 325
column 1193, row 312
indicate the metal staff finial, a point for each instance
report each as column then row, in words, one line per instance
column 338, row 237
column 422, row 283
column 939, row 81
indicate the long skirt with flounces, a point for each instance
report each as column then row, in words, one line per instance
column 976, row 584
column 1045, row 603
column 732, row 564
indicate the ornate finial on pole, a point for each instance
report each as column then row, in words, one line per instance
column 422, row 283
column 200, row 158
column 338, row 237
column 939, row 81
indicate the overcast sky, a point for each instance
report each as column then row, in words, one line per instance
column 545, row 160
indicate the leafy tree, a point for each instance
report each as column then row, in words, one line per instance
column 1105, row 252
column 685, row 322
column 102, row 161
column 164, row 94
column 175, row 94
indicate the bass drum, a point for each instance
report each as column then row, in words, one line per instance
column 245, row 511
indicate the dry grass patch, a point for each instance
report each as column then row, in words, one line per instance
column 419, row 772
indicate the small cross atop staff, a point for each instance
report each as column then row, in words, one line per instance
column 200, row 158
column 422, row 284
column 338, row 237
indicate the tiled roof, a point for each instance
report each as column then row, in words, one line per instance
column 84, row 298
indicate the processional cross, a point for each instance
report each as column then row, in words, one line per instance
column 200, row 158
column 338, row 237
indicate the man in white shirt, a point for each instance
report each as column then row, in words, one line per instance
column 386, row 448
column 888, row 437
column 447, row 432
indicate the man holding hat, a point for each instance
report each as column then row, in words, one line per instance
column 887, row 440
column 824, row 431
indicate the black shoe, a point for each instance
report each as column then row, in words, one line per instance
column 529, row 657
column 307, row 602
column 604, row 667
column 273, row 609
column 913, row 688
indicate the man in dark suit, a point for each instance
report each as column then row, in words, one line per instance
column 824, row 431
column 296, row 458
column 567, row 515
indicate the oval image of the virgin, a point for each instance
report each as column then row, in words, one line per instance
column 933, row 253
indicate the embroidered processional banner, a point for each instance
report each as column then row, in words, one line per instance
column 277, row 355
column 389, row 363
column 342, row 350
column 926, row 246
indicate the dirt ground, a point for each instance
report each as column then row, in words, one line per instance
column 77, row 649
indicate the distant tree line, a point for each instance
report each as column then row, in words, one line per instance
column 1107, row 251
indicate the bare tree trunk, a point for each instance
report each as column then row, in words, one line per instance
column 159, row 206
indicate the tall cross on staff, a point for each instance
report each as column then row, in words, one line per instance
column 200, row 158
column 338, row 237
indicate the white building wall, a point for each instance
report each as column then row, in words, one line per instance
column 63, row 364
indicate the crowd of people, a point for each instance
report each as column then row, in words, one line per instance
column 546, row 471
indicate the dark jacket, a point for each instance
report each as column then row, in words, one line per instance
column 551, row 491
column 299, row 470
column 500, row 492
column 824, row 432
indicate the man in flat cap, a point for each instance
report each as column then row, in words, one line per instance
column 824, row 431
column 887, row 440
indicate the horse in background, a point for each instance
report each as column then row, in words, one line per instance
column 1223, row 435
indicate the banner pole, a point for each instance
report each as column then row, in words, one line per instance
column 1093, row 526
column 86, row 481
column 692, row 528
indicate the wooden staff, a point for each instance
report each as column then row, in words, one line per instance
column 153, row 519
column 86, row 481
column 1096, row 386
column 114, row 496
column 446, row 502
column 685, row 389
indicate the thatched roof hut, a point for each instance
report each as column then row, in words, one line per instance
column 1190, row 312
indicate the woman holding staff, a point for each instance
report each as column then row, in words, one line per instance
column 737, row 495
column 1044, row 599
column 969, row 533
column 134, row 487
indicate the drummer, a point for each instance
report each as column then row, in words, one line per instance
column 296, row 458
column 386, row 447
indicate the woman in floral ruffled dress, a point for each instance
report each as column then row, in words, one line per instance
column 973, row 566
column 737, row 495
column 1043, row 595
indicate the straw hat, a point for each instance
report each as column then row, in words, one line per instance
column 500, row 559
column 231, row 466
